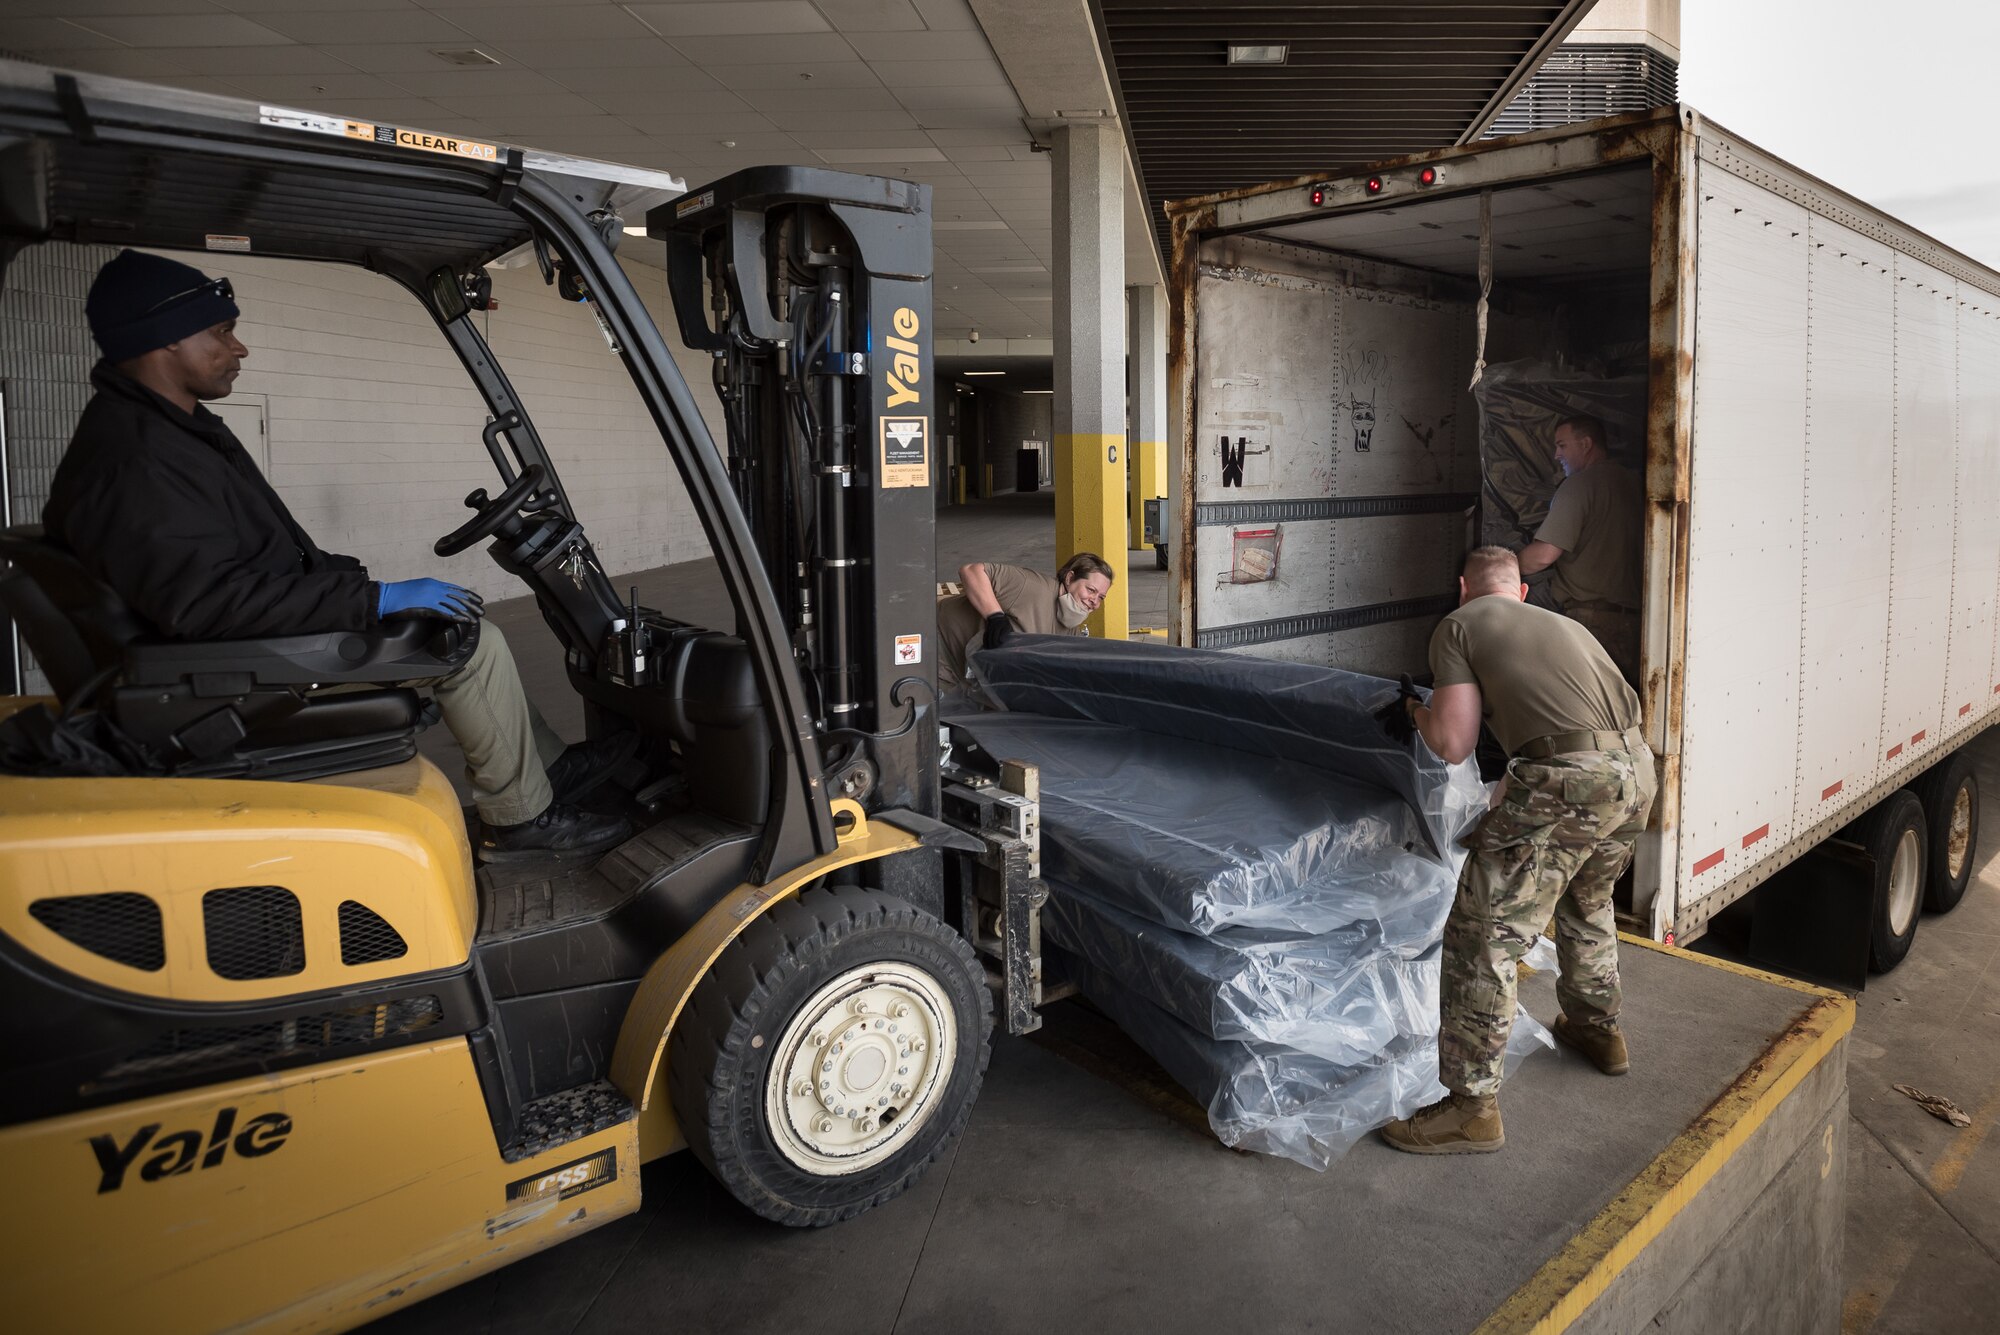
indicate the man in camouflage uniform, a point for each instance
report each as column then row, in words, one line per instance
column 1579, row 784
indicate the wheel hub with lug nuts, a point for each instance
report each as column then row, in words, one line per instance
column 1905, row 881
column 860, row 1067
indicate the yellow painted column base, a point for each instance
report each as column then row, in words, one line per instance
column 1090, row 517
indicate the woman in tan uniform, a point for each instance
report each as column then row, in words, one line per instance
column 1001, row 599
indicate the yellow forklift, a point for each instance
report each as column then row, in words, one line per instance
column 274, row 1053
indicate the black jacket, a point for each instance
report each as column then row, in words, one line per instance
column 167, row 508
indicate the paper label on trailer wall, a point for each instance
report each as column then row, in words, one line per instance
column 909, row 650
column 906, row 451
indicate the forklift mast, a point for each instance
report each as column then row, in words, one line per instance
column 812, row 292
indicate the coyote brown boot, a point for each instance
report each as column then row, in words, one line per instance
column 1455, row 1124
column 1604, row 1047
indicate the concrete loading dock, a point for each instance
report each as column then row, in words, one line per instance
column 1705, row 1190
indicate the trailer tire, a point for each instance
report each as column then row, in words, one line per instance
column 1896, row 836
column 1950, row 794
column 809, row 979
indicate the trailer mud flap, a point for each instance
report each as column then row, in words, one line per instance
column 1811, row 920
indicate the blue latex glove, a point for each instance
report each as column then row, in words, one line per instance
column 429, row 598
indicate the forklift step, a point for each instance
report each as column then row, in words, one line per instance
column 570, row 1115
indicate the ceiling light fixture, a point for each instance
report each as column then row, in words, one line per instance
column 1257, row 55
column 1038, row 391
column 985, row 373
column 469, row 56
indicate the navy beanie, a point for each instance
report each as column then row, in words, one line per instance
column 124, row 306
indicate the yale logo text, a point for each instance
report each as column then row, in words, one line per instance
column 176, row 1152
column 904, row 368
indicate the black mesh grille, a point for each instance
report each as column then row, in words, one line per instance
column 185, row 1049
column 121, row 926
column 254, row 931
column 1583, row 81
column 365, row 938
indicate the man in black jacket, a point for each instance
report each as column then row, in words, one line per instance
column 162, row 503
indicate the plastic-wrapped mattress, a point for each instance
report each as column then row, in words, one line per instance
column 1245, row 873
column 1277, row 1099
column 1320, row 717
column 1201, row 837
column 1344, row 995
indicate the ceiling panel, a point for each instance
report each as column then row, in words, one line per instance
column 723, row 18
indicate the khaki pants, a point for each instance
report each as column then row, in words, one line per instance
column 508, row 745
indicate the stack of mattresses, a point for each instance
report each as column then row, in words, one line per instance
column 1245, row 873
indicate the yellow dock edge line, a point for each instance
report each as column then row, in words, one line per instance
column 1564, row 1288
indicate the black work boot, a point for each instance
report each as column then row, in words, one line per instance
column 559, row 832
column 584, row 765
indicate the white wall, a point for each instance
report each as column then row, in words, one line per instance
column 374, row 425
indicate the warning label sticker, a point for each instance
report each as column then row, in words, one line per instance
column 421, row 140
column 694, row 204
column 909, row 649
column 906, row 451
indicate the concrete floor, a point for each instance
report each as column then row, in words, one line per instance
column 1080, row 1198
column 1077, row 1201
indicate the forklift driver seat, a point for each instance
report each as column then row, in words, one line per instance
column 225, row 708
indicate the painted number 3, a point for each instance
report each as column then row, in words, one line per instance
column 1826, row 1143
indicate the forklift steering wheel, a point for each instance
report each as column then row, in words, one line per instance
column 492, row 514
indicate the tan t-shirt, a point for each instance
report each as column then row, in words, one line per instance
column 1026, row 596
column 1597, row 518
column 1537, row 672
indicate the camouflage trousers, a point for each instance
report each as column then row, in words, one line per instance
column 1558, row 841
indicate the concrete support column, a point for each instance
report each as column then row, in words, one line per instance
column 1146, row 360
column 1089, row 218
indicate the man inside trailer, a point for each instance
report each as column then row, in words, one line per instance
column 1590, row 542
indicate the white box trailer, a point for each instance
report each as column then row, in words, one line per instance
column 1811, row 388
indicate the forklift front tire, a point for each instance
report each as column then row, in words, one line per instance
column 831, row 1055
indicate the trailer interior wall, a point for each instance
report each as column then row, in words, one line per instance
column 1333, row 418
column 1328, row 412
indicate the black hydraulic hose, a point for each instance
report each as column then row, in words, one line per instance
column 836, row 470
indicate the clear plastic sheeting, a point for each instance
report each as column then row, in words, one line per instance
column 1246, row 873
column 1344, row 995
column 1519, row 406
column 1276, row 1099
